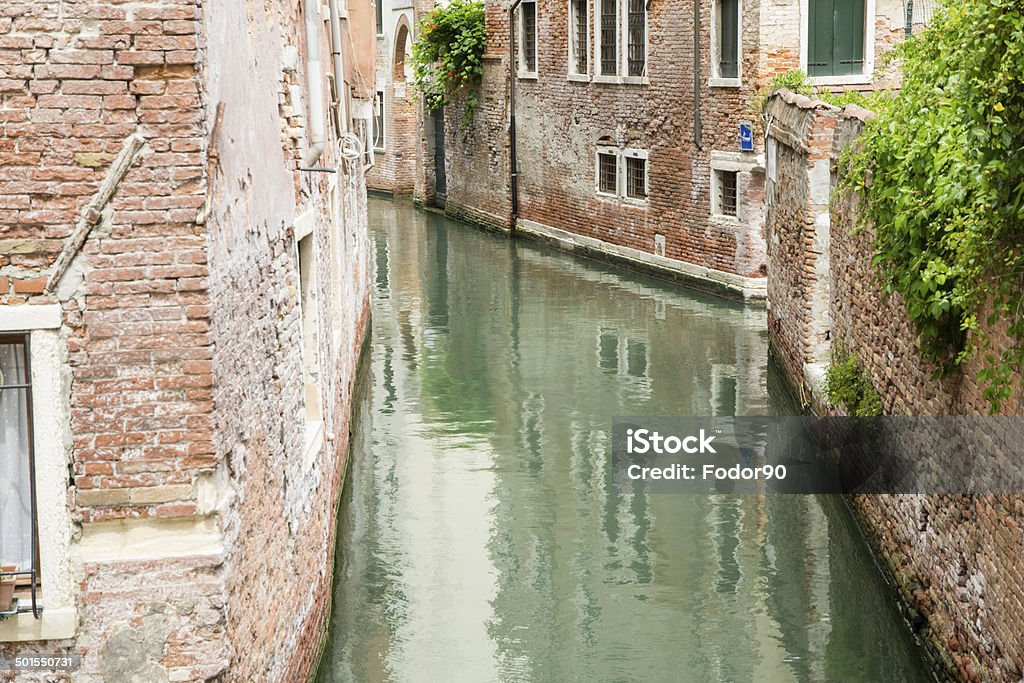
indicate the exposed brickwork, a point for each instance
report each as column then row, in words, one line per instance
column 561, row 121
column 956, row 559
column 185, row 358
column 395, row 166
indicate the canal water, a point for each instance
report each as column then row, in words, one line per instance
column 479, row 536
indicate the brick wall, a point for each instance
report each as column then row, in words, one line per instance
column 395, row 168
column 955, row 559
column 202, row 537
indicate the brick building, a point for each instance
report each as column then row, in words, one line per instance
column 182, row 308
column 629, row 139
column 395, row 103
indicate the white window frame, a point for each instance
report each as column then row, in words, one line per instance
column 869, row 48
column 624, row 44
column 521, row 71
column 621, row 179
column 613, row 151
column 384, row 124
column 716, row 80
column 631, row 153
column 621, row 45
column 52, row 426
column 716, row 182
column 574, row 73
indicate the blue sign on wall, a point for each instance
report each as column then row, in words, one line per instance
column 747, row 137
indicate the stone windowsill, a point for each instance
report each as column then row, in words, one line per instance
column 52, row 624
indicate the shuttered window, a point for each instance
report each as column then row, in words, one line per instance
column 835, row 40
column 728, row 39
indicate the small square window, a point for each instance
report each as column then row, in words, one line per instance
column 608, row 172
column 636, row 178
column 725, row 193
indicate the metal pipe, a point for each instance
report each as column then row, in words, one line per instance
column 338, row 65
column 513, row 160
column 696, row 74
column 314, row 83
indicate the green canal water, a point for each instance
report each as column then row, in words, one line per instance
column 479, row 536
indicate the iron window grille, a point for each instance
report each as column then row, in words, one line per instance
column 608, row 172
column 609, row 36
column 726, row 193
column 637, row 53
column 636, row 178
column 580, row 30
column 16, row 422
column 529, row 51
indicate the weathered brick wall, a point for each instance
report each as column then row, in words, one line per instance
column 205, row 537
column 955, row 559
column 395, row 168
column 281, row 477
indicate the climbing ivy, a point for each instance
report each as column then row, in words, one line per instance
column 942, row 172
column 448, row 55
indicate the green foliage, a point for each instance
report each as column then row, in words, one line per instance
column 796, row 81
column 448, row 55
column 942, row 173
column 846, row 385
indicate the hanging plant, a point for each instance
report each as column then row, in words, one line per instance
column 448, row 54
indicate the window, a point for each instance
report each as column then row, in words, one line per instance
column 835, row 37
column 726, row 58
column 724, row 193
column 609, row 36
column 636, row 63
column 17, row 517
column 579, row 32
column 378, row 121
column 620, row 36
column 608, row 172
column 528, row 39
column 636, row 178
column 380, row 17
column 622, row 173
column 309, row 316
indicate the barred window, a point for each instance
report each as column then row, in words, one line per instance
column 609, row 37
column 637, row 61
column 636, row 178
column 725, row 201
column 608, row 172
column 579, row 28
column 528, row 37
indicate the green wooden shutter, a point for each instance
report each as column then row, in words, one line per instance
column 820, row 36
column 728, row 66
column 835, row 37
column 849, row 37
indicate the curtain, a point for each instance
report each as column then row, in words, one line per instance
column 15, row 491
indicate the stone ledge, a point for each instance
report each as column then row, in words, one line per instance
column 727, row 285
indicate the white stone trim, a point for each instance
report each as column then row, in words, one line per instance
column 743, row 162
column 748, row 287
column 24, row 317
column 51, row 421
column 149, row 539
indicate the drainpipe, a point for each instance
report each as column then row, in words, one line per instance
column 315, row 81
column 513, row 161
column 696, row 74
column 338, row 65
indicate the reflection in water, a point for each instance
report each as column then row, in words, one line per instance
column 480, row 538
